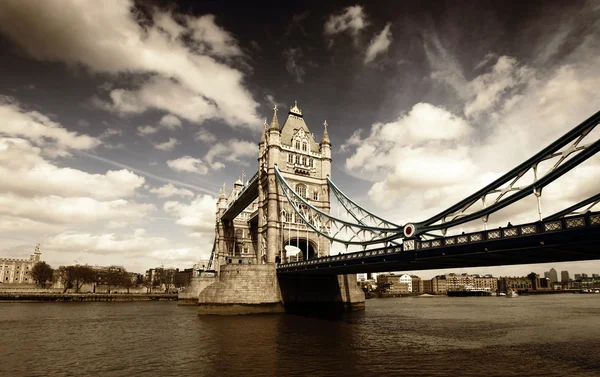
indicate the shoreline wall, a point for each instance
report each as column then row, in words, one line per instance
column 85, row 297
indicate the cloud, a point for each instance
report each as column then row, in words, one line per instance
column 379, row 44
column 429, row 158
column 170, row 190
column 71, row 210
column 205, row 136
column 147, row 130
column 292, row 63
column 236, row 151
column 198, row 215
column 352, row 20
column 167, row 145
column 38, row 128
column 179, row 56
column 110, row 132
column 189, row 165
column 170, row 121
column 27, row 173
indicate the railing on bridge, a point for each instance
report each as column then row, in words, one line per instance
column 591, row 219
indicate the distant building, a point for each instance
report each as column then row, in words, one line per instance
column 461, row 282
column 18, row 271
column 506, row 284
column 436, row 286
column 417, row 284
column 577, row 276
column 551, row 275
column 564, row 276
column 399, row 284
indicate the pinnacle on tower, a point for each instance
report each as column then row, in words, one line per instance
column 325, row 139
column 263, row 138
column 275, row 121
column 295, row 109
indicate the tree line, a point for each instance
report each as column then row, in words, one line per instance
column 74, row 277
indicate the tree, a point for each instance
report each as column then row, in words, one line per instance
column 165, row 277
column 63, row 276
column 42, row 273
column 81, row 275
column 127, row 281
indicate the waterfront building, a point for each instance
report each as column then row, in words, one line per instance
column 506, row 284
column 564, row 276
column 18, row 271
column 417, row 284
column 436, row 286
column 401, row 284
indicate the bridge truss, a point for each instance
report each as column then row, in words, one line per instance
column 364, row 228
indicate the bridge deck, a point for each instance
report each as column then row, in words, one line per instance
column 244, row 199
column 574, row 238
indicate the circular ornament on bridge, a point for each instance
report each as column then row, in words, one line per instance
column 409, row 230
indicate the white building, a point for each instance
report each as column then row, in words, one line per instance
column 406, row 279
column 18, row 271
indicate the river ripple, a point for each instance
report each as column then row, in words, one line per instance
column 553, row 335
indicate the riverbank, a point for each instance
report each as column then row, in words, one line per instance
column 84, row 297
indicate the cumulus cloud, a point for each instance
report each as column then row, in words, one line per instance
column 71, row 210
column 170, row 190
column 39, row 129
column 205, row 136
column 147, row 130
column 170, row 121
column 198, row 215
column 26, row 172
column 167, row 145
column 429, row 158
column 379, row 44
column 236, row 151
column 188, row 164
column 351, row 20
column 181, row 74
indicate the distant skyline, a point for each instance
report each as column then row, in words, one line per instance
column 121, row 120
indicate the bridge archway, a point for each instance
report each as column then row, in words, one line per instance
column 299, row 248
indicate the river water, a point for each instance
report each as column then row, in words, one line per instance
column 551, row 335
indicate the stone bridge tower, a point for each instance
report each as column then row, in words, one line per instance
column 305, row 164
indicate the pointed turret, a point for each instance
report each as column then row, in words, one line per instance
column 275, row 121
column 325, row 139
column 222, row 201
column 263, row 138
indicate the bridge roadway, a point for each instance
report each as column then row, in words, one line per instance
column 574, row 238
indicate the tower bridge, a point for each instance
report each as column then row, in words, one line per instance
column 274, row 233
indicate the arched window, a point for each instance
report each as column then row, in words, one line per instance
column 297, row 159
column 310, row 163
column 289, row 217
column 290, row 158
column 301, row 190
column 304, row 147
column 304, row 161
column 297, row 144
column 316, row 195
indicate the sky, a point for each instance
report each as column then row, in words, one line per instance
column 120, row 121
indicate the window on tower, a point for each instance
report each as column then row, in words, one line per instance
column 304, row 161
column 316, row 195
column 304, row 147
column 297, row 144
column 290, row 158
column 301, row 190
